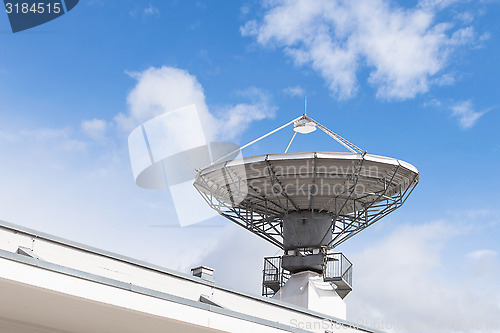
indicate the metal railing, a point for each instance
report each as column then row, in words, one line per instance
column 273, row 276
column 337, row 267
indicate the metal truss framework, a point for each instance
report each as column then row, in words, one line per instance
column 264, row 216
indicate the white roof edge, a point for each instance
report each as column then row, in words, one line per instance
column 129, row 287
column 115, row 256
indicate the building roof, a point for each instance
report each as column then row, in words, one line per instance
column 51, row 284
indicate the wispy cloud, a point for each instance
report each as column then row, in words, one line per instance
column 234, row 119
column 201, row 5
column 436, row 4
column 480, row 254
column 94, row 128
column 151, row 10
column 405, row 49
column 294, row 91
column 45, row 138
column 144, row 12
column 466, row 113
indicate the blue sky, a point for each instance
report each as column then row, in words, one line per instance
column 416, row 80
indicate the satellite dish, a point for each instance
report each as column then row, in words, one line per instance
column 265, row 194
column 307, row 203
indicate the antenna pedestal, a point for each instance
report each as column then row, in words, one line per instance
column 305, row 235
column 300, row 263
column 306, row 230
column 307, row 289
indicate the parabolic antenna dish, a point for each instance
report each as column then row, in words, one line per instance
column 353, row 190
column 306, row 203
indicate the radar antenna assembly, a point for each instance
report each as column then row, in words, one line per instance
column 307, row 204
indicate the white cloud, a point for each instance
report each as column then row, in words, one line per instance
column 94, row 128
column 463, row 111
column 144, row 12
column 238, row 258
column 485, row 36
column 44, row 138
column 481, row 254
column 294, row 91
column 465, row 17
column 445, row 80
column 486, row 267
column 244, row 10
column 401, row 285
column 436, row 4
column 163, row 89
column 234, row 119
column 403, row 48
column 151, row 10
column 466, row 114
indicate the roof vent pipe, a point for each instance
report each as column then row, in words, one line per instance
column 204, row 272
